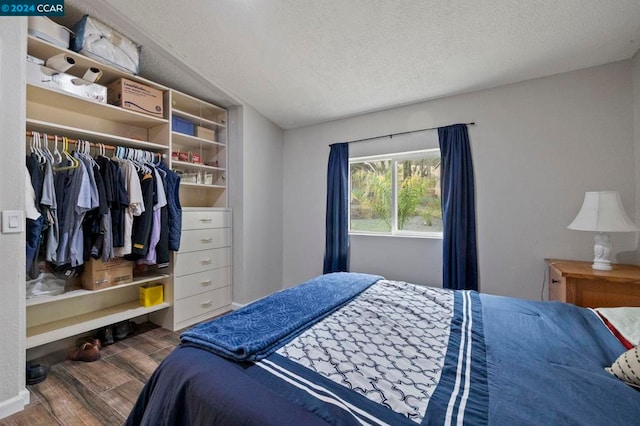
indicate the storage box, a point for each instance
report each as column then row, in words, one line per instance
column 183, row 156
column 135, row 96
column 181, row 125
column 47, row 30
column 190, row 177
column 195, row 158
column 151, row 294
column 204, row 133
column 46, row 77
column 102, row 43
column 98, row 274
column 207, row 178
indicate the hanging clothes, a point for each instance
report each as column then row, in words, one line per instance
column 141, row 228
column 160, row 202
column 135, row 207
column 33, row 227
column 50, row 202
column 72, row 187
column 175, row 210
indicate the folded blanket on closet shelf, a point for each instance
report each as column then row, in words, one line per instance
column 253, row 332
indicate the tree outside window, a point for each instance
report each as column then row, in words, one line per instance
column 397, row 194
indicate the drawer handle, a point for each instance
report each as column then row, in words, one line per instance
column 206, row 304
column 206, row 240
column 206, row 220
column 206, row 283
column 206, row 261
column 554, row 281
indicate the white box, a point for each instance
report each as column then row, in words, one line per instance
column 45, row 29
column 50, row 78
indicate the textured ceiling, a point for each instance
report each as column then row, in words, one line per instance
column 301, row 62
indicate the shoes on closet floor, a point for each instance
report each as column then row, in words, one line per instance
column 88, row 352
column 123, row 329
column 36, row 373
column 88, row 339
column 106, row 336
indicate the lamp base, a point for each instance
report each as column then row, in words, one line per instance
column 602, row 252
column 601, row 266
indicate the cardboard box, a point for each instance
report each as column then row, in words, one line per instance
column 151, row 294
column 40, row 75
column 135, row 96
column 195, row 158
column 204, row 133
column 98, row 274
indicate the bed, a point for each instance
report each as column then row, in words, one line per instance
column 359, row 349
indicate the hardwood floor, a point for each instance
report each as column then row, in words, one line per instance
column 100, row 392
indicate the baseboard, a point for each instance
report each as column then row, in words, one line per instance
column 13, row 405
column 235, row 306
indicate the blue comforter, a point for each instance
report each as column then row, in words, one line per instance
column 253, row 332
column 505, row 361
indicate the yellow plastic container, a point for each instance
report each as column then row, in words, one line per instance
column 151, row 294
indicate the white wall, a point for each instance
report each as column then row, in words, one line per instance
column 537, row 147
column 13, row 34
column 636, row 126
column 256, row 198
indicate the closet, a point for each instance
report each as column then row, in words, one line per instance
column 197, row 282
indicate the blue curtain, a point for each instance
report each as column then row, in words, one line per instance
column 459, row 253
column 336, row 255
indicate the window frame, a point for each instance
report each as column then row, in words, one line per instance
column 394, row 158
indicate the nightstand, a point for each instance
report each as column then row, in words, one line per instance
column 576, row 282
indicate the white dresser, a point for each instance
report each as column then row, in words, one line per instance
column 201, row 269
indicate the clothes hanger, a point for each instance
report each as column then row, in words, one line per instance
column 65, row 150
column 35, row 147
column 56, row 153
column 47, row 152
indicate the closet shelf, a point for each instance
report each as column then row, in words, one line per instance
column 197, row 120
column 67, row 327
column 91, row 136
column 70, row 102
column 185, row 102
column 44, row 50
column 201, row 185
column 139, row 280
column 193, row 141
column 196, row 166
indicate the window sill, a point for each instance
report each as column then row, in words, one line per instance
column 429, row 236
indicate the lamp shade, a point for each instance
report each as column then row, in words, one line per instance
column 602, row 212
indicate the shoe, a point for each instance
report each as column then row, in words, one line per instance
column 87, row 353
column 88, row 339
column 36, row 373
column 106, row 336
column 122, row 329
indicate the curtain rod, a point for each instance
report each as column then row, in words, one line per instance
column 390, row 136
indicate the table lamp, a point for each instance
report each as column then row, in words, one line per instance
column 602, row 212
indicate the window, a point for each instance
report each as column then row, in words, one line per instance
column 396, row 194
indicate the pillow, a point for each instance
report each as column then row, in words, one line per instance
column 624, row 323
column 627, row 367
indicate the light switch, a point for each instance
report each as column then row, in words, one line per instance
column 12, row 221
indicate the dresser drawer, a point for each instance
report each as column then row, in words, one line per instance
column 201, row 303
column 198, row 261
column 205, row 219
column 203, row 239
column 557, row 285
column 189, row 285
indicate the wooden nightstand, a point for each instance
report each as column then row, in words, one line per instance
column 576, row 282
